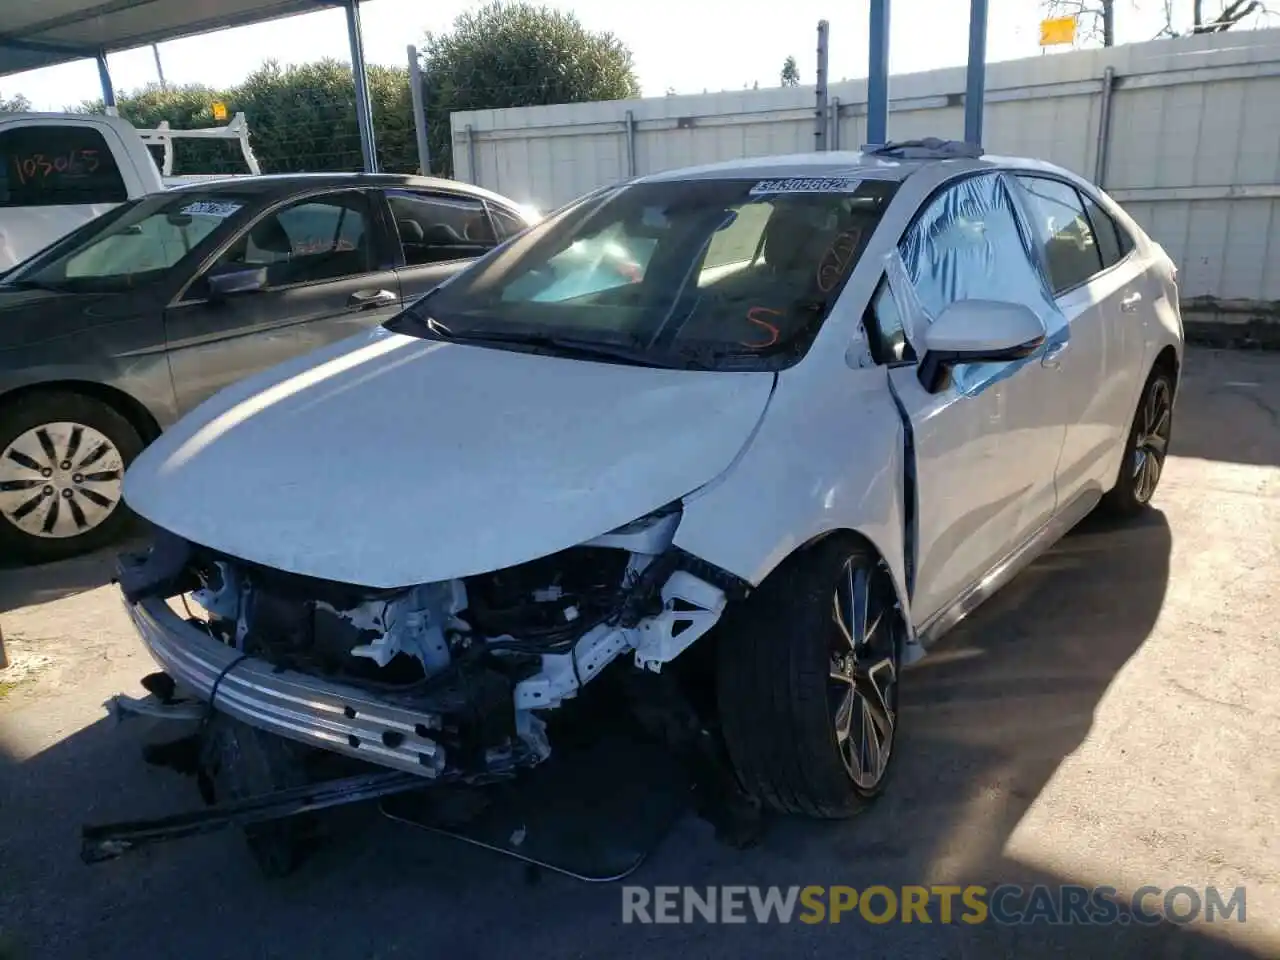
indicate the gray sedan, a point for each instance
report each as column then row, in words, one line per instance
column 115, row 331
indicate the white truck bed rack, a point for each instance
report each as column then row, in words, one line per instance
column 163, row 136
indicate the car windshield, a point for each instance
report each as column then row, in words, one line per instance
column 719, row 271
column 129, row 246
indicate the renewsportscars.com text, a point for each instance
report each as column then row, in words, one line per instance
column 1008, row 904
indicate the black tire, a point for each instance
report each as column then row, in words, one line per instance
column 33, row 411
column 775, row 690
column 239, row 762
column 1145, row 449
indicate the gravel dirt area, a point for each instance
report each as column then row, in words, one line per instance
column 1108, row 718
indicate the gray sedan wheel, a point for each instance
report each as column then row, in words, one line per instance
column 62, row 464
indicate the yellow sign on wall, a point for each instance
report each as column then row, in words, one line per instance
column 1057, row 30
column 220, row 108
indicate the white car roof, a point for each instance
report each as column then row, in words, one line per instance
column 846, row 163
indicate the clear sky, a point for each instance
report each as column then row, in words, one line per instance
column 688, row 45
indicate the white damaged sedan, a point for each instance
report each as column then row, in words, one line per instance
column 800, row 413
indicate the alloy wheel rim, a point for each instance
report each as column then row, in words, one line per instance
column 1152, row 441
column 60, row 480
column 863, row 672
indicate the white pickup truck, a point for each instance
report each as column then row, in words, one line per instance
column 59, row 170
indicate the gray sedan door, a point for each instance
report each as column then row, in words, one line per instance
column 320, row 260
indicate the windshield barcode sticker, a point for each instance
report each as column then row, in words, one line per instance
column 211, row 208
column 807, row 185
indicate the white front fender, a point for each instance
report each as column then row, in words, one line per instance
column 827, row 456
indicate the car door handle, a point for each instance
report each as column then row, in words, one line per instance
column 1053, row 356
column 1130, row 303
column 368, row 299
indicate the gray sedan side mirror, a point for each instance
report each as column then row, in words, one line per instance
column 978, row 331
column 237, row 281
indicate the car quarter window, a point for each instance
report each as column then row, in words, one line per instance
column 506, row 222
column 438, row 227
column 1071, row 250
column 968, row 243
column 319, row 238
column 46, row 165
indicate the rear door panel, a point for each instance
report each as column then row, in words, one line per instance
column 1097, row 295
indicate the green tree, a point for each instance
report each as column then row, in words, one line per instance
column 517, row 55
column 301, row 118
column 15, row 104
column 790, row 73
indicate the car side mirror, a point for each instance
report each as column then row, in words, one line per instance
column 978, row 331
column 237, row 281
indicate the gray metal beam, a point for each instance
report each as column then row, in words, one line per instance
column 417, row 96
column 878, row 74
column 108, row 89
column 95, row 25
column 155, row 51
column 39, row 46
column 78, row 16
column 820, row 109
column 364, row 109
column 976, row 79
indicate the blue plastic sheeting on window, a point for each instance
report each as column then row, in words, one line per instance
column 912, row 315
column 970, row 243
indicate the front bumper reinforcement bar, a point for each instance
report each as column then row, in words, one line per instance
column 310, row 710
column 109, row 840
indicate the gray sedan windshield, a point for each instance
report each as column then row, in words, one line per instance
column 747, row 268
column 130, row 246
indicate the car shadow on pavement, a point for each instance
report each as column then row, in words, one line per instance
column 987, row 720
column 24, row 586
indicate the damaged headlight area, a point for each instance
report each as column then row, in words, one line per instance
column 435, row 678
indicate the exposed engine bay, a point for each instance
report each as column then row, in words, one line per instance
column 482, row 653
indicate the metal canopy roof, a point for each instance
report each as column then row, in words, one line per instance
column 34, row 35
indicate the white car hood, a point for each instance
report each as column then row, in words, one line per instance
column 386, row 460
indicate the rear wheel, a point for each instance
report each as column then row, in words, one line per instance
column 62, row 463
column 1145, row 450
column 808, row 678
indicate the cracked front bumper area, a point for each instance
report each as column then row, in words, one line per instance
column 307, row 709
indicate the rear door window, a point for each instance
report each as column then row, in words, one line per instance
column 1071, row 251
column 437, row 227
column 45, row 165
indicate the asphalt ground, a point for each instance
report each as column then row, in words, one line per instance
column 1108, row 719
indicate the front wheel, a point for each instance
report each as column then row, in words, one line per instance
column 62, row 463
column 808, row 677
